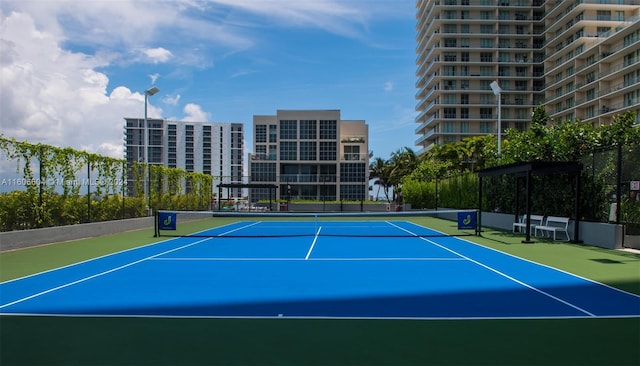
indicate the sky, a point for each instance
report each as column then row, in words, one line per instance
column 72, row 70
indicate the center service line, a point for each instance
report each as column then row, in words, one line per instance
column 315, row 239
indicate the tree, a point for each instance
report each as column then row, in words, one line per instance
column 402, row 162
column 380, row 170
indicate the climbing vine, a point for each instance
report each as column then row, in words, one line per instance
column 49, row 190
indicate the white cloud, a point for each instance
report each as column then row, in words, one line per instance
column 56, row 96
column 157, row 55
column 194, row 113
column 154, row 77
column 388, row 86
column 171, row 100
column 346, row 18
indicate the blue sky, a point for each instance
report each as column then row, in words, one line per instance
column 73, row 69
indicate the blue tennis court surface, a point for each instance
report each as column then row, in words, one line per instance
column 322, row 275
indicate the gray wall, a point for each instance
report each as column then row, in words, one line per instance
column 29, row 238
column 591, row 233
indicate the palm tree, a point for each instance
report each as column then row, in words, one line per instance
column 403, row 162
column 379, row 170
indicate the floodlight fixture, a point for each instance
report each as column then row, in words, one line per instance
column 496, row 91
column 151, row 91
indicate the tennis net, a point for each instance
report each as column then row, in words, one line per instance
column 345, row 224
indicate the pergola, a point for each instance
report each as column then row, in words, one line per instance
column 230, row 186
column 524, row 171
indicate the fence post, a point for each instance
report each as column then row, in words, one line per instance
column 619, row 183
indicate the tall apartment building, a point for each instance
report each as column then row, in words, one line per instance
column 310, row 154
column 579, row 58
column 209, row 147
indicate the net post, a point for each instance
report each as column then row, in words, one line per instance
column 156, row 231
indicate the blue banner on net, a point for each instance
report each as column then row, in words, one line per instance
column 467, row 220
column 167, row 221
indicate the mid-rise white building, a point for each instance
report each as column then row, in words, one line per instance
column 212, row 148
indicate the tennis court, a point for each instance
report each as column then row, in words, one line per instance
column 333, row 269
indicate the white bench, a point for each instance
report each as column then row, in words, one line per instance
column 521, row 225
column 553, row 224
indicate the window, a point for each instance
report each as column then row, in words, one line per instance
column 629, row 79
column 451, row 28
column 629, row 99
column 288, row 150
column 308, row 150
column 263, row 172
column 629, row 59
column 449, row 84
column 449, row 99
column 569, row 88
column 486, row 57
column 449, row 113
column 307, row 130
column 328, row 130
column 449, row 127
column 328, row 150
column 261, row 133
column 486, row 127
column 449, row 70
column 450, row 56
column 486, row 70
column 351, row 152
column 604, row 15
column 288, row 129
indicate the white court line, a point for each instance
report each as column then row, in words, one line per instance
column 315, row 240
column 512, row 278
column 328, row 317
column 275, row 259
column 105, row 255
column 502, row 274
column 401, row 228
column 240, row 228
column 100, row 274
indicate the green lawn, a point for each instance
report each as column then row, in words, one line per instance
column 156, row 341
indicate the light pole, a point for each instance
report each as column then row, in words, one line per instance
column 147, row 93
column 496, row 91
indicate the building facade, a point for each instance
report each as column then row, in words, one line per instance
column 309, row 154
column 578, row 58
column 212, row 148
